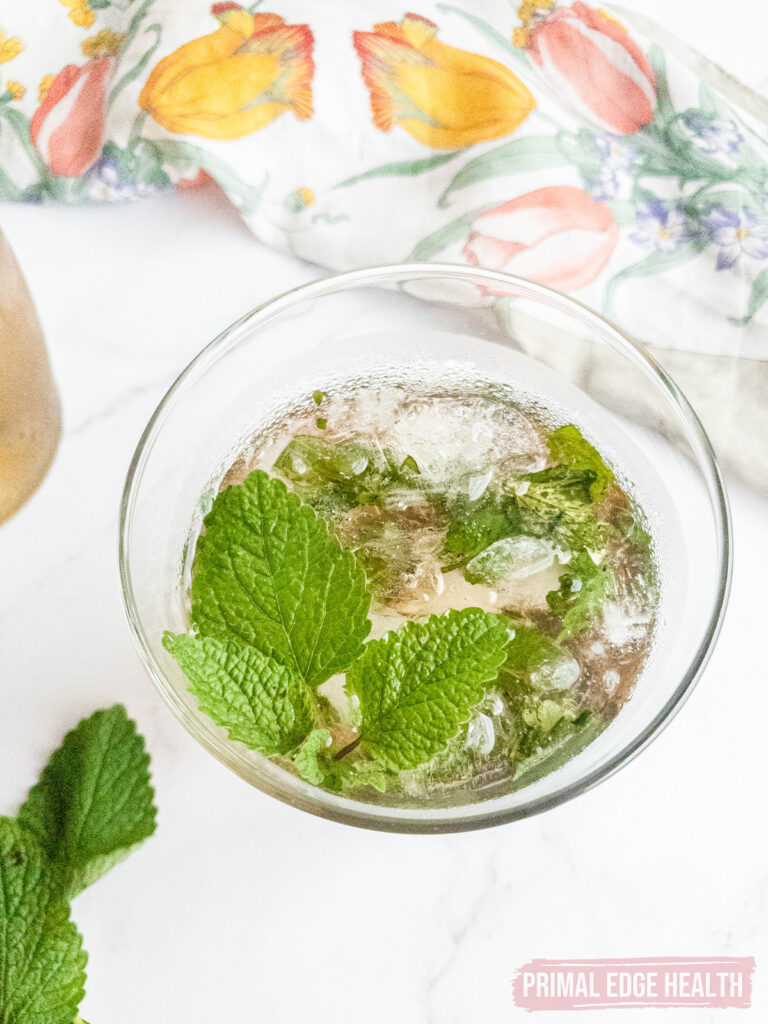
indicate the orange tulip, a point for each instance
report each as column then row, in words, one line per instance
column 236, row 80
column 442, row 96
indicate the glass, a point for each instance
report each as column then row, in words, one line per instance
column 498, row 327
column 30, row 416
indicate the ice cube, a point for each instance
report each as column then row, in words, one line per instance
column 511, row 558
column 477, row 484
column 558, row 673
column 481, row 735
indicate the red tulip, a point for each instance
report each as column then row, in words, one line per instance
column 68, row 125
column 558, row 236
column 594, row 63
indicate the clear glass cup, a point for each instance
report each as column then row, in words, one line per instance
column 30, row 416
column 413, row 318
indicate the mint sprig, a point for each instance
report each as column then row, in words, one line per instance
column 42, row 963
column 418, row 685
column 92, row 806
column 267, row 573
column 568, row 446
column 583, row 589
column 260, row 702
column 94, row 801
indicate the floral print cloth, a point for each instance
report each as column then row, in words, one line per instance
column 551, row 141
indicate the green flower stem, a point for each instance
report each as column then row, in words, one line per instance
column 135, row 136
column 504, row 44
column 8, row 190
column 20, row 127
column 138, row 68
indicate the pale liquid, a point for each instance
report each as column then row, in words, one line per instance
column 30, row 418
column 466, row 441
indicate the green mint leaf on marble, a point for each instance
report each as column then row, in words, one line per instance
column 417, row 686
column 267, row 573
column 42, row 963
column 260, row 702
column 568, row 445
column 94, row 803
column 583, row 589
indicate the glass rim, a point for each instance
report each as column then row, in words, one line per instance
column 471, row 816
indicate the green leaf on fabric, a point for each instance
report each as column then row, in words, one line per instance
column 94, row 803
column 568, row 445
column 655, row 263
column 665, row 110
column 458, row 230
column 757, row 297
column 138, row 69
column 528, row 154
column 504, row 44
column 246, row 198
column 417, row 686
column 42, row 963
column 402, row 168
column 267, row 573
column 260, row 702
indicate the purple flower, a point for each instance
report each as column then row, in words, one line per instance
column 618, row 165
column 119, row 174
column 712, row 134
column 737, row 232
column 660, row 227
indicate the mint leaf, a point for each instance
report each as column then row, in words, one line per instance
column 42, row 964
column 94, row 801
column 314, row 764
column 569, row 446
column 364, row 773
column 580, row 596
column 558, row 505
column 417, row 686
column 267, row 573
column 475, row 526
column 536, row 661
column 260, row 702
column 307, row 757
column 559, row 738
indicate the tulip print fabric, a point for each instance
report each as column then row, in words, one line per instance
column 552, row 141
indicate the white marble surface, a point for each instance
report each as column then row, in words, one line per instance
column 243, row 909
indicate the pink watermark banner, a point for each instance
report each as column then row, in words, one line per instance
column 713, row 982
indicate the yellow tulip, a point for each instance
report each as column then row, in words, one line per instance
column 442, row 96
column 236, row 80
